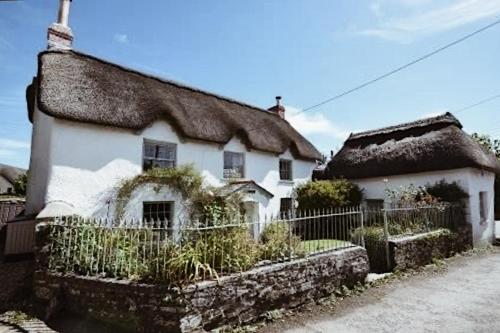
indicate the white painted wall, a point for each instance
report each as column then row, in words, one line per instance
column 40, row 162
column 82, row 164
column 472, row 181
column 5, row 185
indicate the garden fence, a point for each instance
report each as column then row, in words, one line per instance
column 147, row 250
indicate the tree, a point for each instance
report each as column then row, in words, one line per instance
column 487, row 142
column 493, row 145
column 20, row 184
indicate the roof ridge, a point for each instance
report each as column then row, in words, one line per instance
column 162, row 79
column 446, row 117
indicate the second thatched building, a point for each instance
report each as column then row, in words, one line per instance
column 422, row 152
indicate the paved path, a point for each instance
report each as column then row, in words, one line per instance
column 466, row 298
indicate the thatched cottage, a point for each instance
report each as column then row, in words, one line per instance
column 8, row 176
column 96, row 123
column 420, row 153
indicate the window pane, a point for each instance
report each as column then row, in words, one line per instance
column 159, row 155
column 285, row 205
column 149, row 150
column 158, row 212
column 285, row 169
column 233, row 165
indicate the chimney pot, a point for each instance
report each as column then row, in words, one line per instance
column 59, row 34
column 278, row 108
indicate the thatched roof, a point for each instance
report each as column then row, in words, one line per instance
column 10, row 173
column 431, row 144
column 78, row 87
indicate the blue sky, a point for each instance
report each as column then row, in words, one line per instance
column 305, row 51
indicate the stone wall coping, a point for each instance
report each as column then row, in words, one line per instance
column 418, row 236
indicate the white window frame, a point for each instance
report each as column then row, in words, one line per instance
column 169, row 145
column 243, row 169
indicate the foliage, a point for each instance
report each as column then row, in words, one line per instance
column 410, row 195
column 184, row 179
column 447, row 192
column 324, row 194
column 141, row 254
column 492, row 145
column 375, row 246
column 278, row 241
column 488, row 143
column 21, row 184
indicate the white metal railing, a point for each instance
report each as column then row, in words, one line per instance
column 147, row 250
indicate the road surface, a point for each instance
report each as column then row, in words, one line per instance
column 463, row 298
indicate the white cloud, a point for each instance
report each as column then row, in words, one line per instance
column 406, row 29
column 121, row 38
column 314, row 124
column 9, row 147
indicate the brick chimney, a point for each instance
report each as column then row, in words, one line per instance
column 60, row 35
column 278, row 108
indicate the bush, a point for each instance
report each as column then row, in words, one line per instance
column 375, row 246
column 328, row 194
column 447, row 192
column 278, row 241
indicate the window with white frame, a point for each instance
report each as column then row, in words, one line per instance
column 483, row 206
column 286, row 169
column 234, row 165
column 159, row 155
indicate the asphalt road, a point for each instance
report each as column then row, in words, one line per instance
column 463, row 298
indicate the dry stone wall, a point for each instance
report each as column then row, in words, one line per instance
column 233, row 300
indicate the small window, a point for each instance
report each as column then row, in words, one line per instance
column 483, row 206
column 285, row 169
column 159, row 155
column 234, row 165
column 9, row 190
column 160, row 211
column 374, row 204
column 285, row 206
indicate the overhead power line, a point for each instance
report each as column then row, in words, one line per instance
column 399, row 69
column 483, row 101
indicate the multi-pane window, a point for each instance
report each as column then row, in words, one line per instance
column 159, row 155
column 285, row 206
column 483, row 206
column 234, row 165
column 158, row 211
column 285, row 169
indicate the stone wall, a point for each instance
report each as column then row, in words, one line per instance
column 420, row 250
column 233, row 300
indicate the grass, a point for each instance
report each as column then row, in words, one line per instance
column 316, row 245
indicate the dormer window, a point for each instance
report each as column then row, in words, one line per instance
column 234, row 165
column 159, row 155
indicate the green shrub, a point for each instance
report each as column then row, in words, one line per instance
column 328, row 194
column 278, row 241
column 447, row 192
column 375, row 246
column 184, row 179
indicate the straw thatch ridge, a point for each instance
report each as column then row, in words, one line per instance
column 11, row 173
column 430, row 144
column 78, row 87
